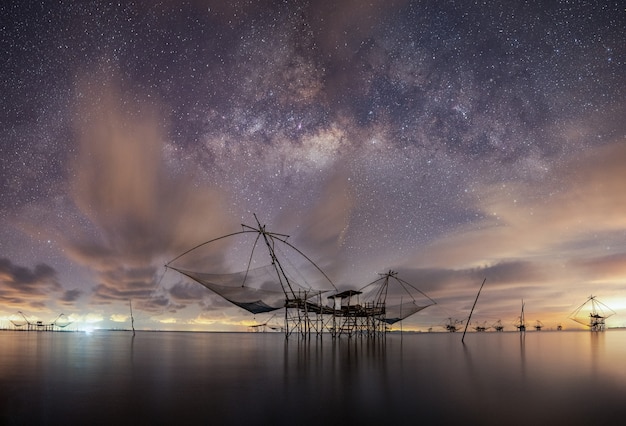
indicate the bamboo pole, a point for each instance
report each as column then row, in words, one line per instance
column 470, row 315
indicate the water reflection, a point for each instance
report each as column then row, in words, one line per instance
column 132, row 349
column 228, row 379
column 522, row 350
column 596, row 346
column 337, row 376
column 474, row 375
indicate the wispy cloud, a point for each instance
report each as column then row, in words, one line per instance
column 139, row 212
column 522, row 221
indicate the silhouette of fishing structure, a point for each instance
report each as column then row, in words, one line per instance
column 452, row 325
column 481, row 327
column 592, row 313
column 498, row 326
column 538, row 325
column 280, row 276
column 520, row 324
column 60, row 322
column 372, row 309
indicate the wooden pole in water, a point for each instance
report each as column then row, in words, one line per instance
column 132, row 320
column 470, row 315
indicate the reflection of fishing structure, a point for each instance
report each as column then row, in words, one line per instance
column 264, row 326
column 282, row 282
column 592, row 314
column 60, row 322
column 520, row 324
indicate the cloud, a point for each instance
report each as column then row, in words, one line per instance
column 156, row 303
column 92, row 318
column 188, row 293
column 223, row 322
column 71, row 296
column 20, row 285
column 139, row 212
column 523, row 220
column 24, row 277
column 603, row 267
column 119, row 318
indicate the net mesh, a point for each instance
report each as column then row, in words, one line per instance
column 399, row 298
column 257, row 290
column 396, row 313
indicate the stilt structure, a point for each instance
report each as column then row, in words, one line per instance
column 350, row 317
column 521, row 321
column 452, row 325
column 481, row 327
column 281, row 284
column 59, row 323
column 370, row 310
column 498, row 326
column 592, row 314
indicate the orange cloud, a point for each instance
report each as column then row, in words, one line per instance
column 139, row 212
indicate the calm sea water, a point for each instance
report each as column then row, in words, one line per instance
column 540, row 378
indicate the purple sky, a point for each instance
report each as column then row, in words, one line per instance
column 448, row 141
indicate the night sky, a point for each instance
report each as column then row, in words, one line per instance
column 450, row 141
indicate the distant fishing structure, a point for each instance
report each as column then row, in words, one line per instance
column 58, row 324
column 592, row 313
column 521, row 321
column 481, row 327
column 278, row 278
column 452, row 325
column 498, row 326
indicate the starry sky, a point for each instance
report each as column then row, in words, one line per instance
column 450, row 141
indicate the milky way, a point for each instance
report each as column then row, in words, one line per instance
column 450, row 141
